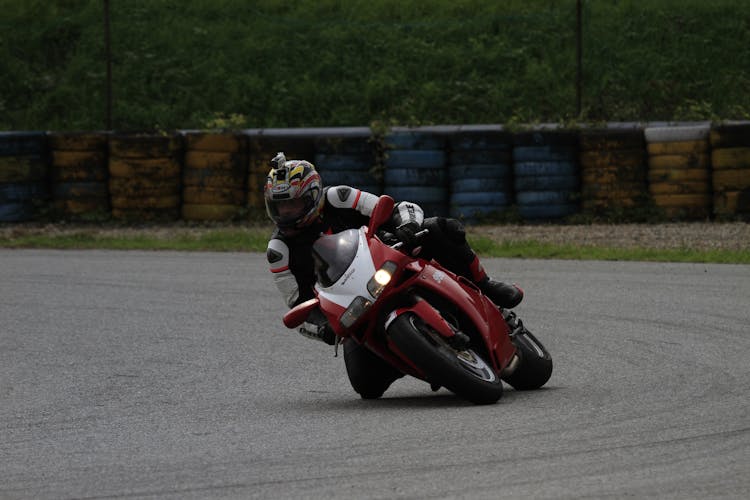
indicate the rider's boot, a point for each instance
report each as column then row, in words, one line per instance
column 502, row 294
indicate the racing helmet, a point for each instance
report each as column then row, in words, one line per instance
column 293, row 193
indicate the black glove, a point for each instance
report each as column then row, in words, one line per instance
column 387, row 237
column 407, row 233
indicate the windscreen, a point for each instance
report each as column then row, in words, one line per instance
column 333, row 253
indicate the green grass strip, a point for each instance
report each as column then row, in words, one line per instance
column 255, row 240
column 536, row 250
column 216, row 241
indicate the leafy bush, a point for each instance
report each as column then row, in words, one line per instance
column 269, row 63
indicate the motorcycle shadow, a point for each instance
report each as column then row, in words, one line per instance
column 442, row 399
column 438, row 400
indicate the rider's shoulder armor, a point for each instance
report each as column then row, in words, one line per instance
column 277, row 254
column 347, row 197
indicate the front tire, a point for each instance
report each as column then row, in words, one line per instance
column 462, row 372
column 369, row 375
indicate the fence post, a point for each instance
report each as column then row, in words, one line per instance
column 108, row 59
column 579, row 58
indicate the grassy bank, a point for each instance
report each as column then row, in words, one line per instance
column 254, row 239
column 540, row 250
column 268, row 63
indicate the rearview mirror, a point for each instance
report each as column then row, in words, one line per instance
column 299, row 313
column 381, row 213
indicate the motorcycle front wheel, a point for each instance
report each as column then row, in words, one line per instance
column 461, row 371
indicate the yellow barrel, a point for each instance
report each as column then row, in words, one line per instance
column 79, row 172
column 730, row 160
column 216, row 166
column 145, row 171
column 679, row 170
column 613, row 170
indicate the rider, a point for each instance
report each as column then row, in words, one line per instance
column 302, row 209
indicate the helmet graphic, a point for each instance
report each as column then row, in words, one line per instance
column 293, row 193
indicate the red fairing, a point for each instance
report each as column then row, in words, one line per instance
column 332, row 312
column 429, row 315
column 480, row 310
column 297, row 315
column 381, row 252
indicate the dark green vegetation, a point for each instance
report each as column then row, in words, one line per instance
column 268, row 63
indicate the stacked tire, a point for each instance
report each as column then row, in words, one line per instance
column 213, row 176
column 263, row 146
column 480, row 173
column 613, row 170
column 79, row 173
column 546, row 174
column 145, row 176
column 730, row 162
column 23, row 175
column 679, row 170
column 348, row 158
column 416, row 169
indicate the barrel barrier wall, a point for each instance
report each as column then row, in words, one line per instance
column 416, row 169
column 24, row 176
column 686, row 171
column 679, row 171
column 480, row 173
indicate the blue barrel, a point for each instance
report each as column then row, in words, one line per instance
column 23, row 175
column 347, row 156
column 480, row 173
column 546, row 174
column 416, row 169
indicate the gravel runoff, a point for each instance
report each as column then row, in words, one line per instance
column 695, row 236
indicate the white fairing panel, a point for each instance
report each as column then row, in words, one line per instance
column 354, row 281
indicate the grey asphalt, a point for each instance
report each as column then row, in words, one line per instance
column 169, row 375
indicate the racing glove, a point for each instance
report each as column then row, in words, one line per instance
column 407, row 233
column 387, row 237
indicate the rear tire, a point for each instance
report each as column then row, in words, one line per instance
column 535, row 364
column 464, row 373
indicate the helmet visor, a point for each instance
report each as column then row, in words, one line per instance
column 288, row 212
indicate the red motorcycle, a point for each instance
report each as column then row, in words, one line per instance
column 419, row 317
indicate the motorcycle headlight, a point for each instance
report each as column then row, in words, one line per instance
column 381, row 278
column 356, row 309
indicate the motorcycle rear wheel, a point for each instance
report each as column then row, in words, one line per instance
column 462, row 372
column 535, row 367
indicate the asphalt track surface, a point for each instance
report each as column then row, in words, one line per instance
column 169, row 375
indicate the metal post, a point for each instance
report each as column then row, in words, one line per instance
column 579, row 58
column 108, row 58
